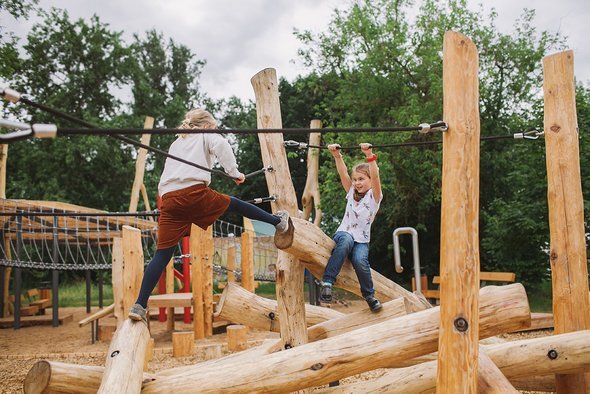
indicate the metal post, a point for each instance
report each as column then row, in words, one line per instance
column 18, row 273
column 55, row 276
column 88, row 291
column 396, row 255
column 100, row 275
column 2, row 275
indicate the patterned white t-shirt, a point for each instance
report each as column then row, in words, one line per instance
column 359, row 216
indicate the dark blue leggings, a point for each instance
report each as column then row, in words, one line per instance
column 162, row 256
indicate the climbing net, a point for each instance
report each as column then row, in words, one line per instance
column 45, row 235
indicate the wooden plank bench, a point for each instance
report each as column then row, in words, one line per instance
column 35, row 299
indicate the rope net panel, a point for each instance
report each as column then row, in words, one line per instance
column 73, row 237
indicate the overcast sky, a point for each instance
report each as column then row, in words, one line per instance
column 238, row 38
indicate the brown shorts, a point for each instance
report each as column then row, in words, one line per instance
column 196, row 204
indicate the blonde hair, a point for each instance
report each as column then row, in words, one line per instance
column 363, row 168
column 197, row 118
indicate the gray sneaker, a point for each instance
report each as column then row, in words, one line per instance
column 138, row 313
column 283, row 225
column 326, row 293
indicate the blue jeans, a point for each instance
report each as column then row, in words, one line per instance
column 358, row 253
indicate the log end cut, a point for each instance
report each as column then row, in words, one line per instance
column 38, row 378
column 285, row 240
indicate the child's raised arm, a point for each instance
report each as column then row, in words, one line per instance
column 375, row 178
column 340, row 166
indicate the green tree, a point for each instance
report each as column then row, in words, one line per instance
column 388, row 71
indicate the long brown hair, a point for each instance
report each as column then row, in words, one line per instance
column 362, row 168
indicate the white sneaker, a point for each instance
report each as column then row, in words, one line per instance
column 283, row 225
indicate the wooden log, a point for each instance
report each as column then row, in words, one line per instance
column 117, row 279
column 97, row 315
column 140, row 166
column 501, row 309
column 169, row 290
column 352, row 321
column 490, row 379
column 197, row 248
column 149, row 354
column 313, row 248
column 3, row 158
column 55, row 377
column 124, row 365
column 183, row 343
column 133, row 266
column 522, row 362
column 242, row 307
column 211, row 351
column 237, row 337
column 247, row 261
column 459, row 256
column 289, row 275
column 569, row 269
column 208, row 282
column 106, row 331
column 231, row 264
column 310, row 199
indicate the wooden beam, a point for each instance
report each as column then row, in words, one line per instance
column 240, row 306
column 311, row 192
column 140, row 166
column 3, row 158
column 208, row 282
column 569, row 269
column 503, row 308
column 124, row 364
column 132, row 269
column 289, row 282
column 97, row 315
column 459, row 256
column 522, row 362
column 197, row 248
column 247, row 261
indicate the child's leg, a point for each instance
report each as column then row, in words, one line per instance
column 251, row 211
column 344, row 244
column 152, row 274
column 360, row 262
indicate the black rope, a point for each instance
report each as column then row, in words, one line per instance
column 303, row 145
column 110, row 131
column 81, row 214
column 90, row 126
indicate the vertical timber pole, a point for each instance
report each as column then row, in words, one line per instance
column 18, row 279
column 569, row 270
column 459, row 255
column 289, row 287
column 55, row 275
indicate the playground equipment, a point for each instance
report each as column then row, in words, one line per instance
column 466, row 315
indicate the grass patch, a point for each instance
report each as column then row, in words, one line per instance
column 74, row 294
column 541, row 298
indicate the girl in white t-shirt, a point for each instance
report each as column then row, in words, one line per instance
column 354, row 233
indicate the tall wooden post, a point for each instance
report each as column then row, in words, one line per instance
column 208, row 281
column 231, row 264
column 140, row 167
column 197, row 249
column 132, row 267
column 169, row 290
column 247, row 261
column 569, row 271
column 289, row 272
column 459, row 255
column 311, row 192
